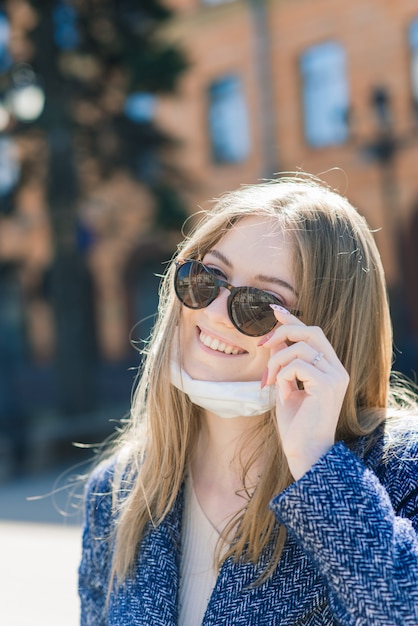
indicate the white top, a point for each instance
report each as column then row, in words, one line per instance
column 197, row 570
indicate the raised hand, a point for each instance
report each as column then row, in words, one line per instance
column 311, row 383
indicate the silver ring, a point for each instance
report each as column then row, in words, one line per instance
column 317, row 358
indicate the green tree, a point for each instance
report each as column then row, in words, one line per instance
column 101, row 63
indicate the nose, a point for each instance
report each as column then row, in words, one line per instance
column 217, row 311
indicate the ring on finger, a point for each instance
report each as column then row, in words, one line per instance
column 317, row 358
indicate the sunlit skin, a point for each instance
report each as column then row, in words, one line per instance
column 251, row 254
column 307, row 418
column 254, row 254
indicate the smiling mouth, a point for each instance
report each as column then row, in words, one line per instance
column 219, row 346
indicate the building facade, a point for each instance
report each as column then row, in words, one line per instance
column 323, row 86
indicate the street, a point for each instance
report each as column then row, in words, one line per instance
column 40, row 539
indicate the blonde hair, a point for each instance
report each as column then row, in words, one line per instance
column 340, row 279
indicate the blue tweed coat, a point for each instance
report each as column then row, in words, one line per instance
column 351, row 556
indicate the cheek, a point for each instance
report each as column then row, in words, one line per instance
column 266, row 354
column 187, row 325
column 262, row 358
column 186, row 318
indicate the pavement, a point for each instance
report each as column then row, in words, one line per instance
column 40, row 546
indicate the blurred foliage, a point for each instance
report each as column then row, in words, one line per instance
column 95, row 58
column 100, row 66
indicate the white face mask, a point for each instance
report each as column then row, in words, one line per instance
column 226, row 399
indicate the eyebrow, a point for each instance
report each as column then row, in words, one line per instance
column 261, row 277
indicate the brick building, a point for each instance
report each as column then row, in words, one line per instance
column 281, row 85
column 273, row 85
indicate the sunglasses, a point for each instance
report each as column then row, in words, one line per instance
column 196, row 286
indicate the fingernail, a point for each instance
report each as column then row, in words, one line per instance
column 281, row 309
column 264, row 378
column 280, row 396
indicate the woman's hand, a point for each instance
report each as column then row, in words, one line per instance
column 307, row 418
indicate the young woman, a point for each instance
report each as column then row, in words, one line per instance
column 267, row 475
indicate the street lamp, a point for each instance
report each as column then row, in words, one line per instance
column 24, row 100
column 383, row 150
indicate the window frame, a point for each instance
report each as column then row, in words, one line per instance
column 228, row 120
column 325, row 62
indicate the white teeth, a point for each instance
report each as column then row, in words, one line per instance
column 215, row 344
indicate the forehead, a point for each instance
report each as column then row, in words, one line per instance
column 258, row 246
column 255, row 235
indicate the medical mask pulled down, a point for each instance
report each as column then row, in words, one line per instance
column 226, row 399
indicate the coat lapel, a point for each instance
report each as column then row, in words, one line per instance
column 294, row 594
column 150, row 596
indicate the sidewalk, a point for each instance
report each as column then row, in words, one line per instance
column 40, row 551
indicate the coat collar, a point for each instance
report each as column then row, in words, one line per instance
column 150, row 595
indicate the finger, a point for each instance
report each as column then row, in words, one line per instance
column 285, row 389
column 331, row 383
column 296, row 372
column 311, row 336
column 284, row 316
column 293, row 330
column 301, row 351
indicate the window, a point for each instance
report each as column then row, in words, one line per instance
column 9, row 165
column 413, row 43
column 325, row 94
column 5, row 60
column 65, row 26
column 140, row 107
column 228, row 121
column 215, row 1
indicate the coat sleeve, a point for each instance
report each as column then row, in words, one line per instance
column 360, row 533
column 94, row 570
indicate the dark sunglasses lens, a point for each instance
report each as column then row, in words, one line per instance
column 251, row 312
column 194, row 285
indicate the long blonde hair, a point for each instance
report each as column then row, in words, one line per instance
column 339, row 277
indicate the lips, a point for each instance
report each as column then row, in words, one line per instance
column 217, row 344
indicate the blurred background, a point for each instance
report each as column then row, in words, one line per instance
column 121, row 118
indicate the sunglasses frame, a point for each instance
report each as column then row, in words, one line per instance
column 218, row 283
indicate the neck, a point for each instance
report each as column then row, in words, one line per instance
column 220, row 455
